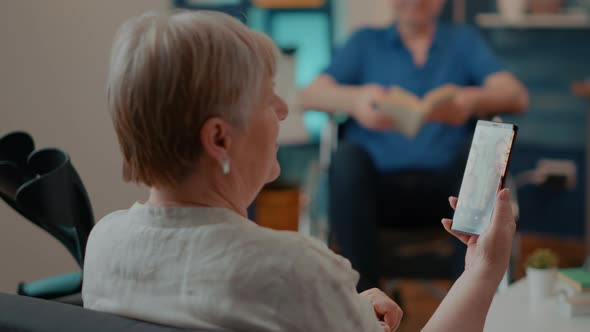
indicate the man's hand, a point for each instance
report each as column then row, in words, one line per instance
column 365, row 112
column 387, row 311
column 457, row 110
column 489, row 252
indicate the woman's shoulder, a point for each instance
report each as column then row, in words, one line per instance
column 310, row 258
column 109, row 220
column 321, row 262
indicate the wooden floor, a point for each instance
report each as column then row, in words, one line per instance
column 419, row 303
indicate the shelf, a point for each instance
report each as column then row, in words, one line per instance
column 535, row 21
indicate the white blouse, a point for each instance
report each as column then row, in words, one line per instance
column 210, row 268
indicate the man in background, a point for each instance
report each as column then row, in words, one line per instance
column 378, row 176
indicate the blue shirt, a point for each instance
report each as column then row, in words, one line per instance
column 458, row 55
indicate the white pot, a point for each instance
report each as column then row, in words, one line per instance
column 541, row 282
column 512, row 10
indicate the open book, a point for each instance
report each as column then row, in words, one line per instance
column 410, row 112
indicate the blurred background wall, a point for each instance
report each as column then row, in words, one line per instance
column 53, row 66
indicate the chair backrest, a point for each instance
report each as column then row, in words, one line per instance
column 25, row 314
column 46, row 189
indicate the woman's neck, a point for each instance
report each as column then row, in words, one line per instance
column 194, row 192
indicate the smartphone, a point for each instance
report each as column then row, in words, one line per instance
column 484, row 175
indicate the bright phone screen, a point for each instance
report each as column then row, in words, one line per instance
column 484, row 175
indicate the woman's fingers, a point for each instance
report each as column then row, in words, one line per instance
column 447, row 224
column 453, row 202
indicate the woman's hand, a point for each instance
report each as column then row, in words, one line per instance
column 489, row 252
column 387, row 311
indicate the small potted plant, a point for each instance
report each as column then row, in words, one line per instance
column 541, row 273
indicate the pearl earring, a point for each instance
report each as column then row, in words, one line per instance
column 225, row 167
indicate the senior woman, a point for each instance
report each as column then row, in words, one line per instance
column 193, row 104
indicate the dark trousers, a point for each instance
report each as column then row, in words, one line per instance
column 363, row 200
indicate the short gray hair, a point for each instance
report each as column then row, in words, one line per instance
column 169, row 74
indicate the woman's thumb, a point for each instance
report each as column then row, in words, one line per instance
column 503, row 215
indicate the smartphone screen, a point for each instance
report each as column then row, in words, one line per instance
column 484, row 175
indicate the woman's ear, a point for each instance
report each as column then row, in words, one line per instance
column 216, row 139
